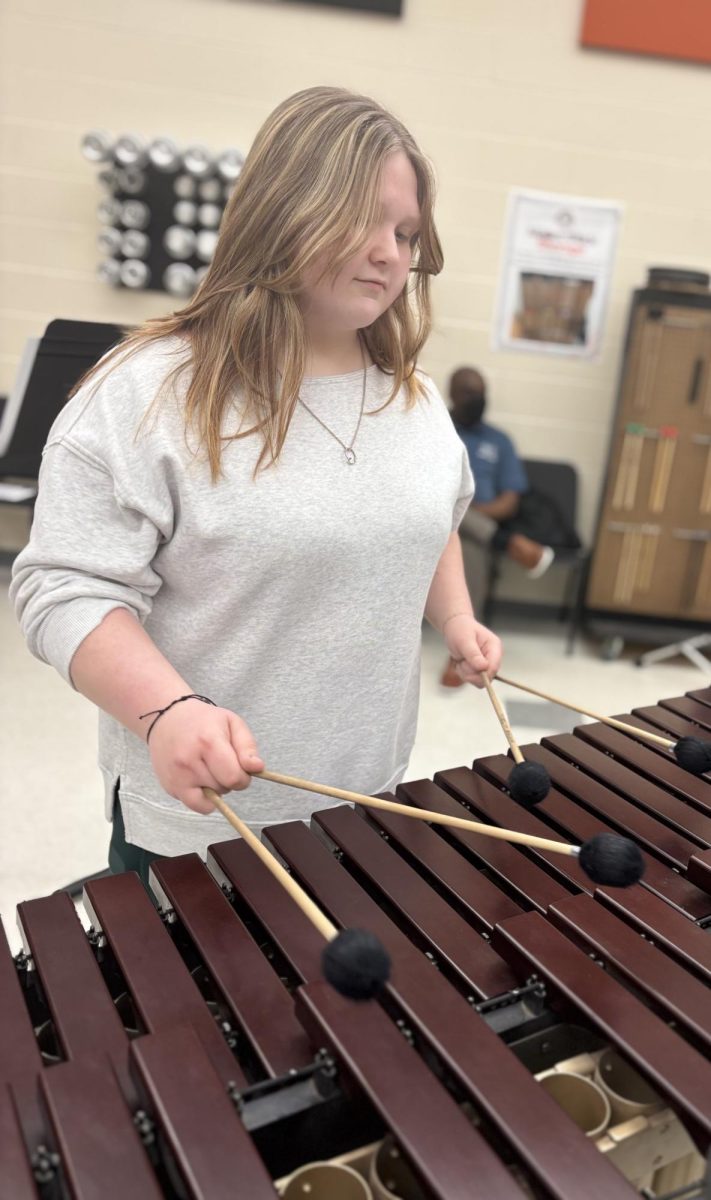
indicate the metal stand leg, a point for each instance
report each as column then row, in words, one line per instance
column 576, row 613
column 690, row 648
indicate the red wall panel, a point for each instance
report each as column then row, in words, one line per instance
column 670, row 28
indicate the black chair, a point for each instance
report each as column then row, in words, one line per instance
column 49, row 368
column 559, row 482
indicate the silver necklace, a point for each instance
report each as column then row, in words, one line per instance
column 347, row 448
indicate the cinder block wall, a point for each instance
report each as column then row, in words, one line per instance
column 498, row 92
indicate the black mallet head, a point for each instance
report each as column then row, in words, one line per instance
column 356, row 964
column 611, row 860
column 528, row 783
column 693, row 755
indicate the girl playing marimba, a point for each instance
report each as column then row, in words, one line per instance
column 247, row 508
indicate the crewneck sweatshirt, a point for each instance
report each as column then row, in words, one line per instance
column 294, row 598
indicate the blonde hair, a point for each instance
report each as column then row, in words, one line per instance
column 309, row 186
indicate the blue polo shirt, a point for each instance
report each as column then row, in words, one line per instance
column 495, row 464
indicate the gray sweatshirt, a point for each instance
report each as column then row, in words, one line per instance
column 295, row 599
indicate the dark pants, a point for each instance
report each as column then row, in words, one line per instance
column 539, row 518
column 123, row 856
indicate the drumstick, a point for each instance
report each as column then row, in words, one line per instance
column 627, row 566
column 605, row 858
column 663, row 461
column 354, row 962
column 625, row 463
column 650, row 536
column 637, row 447
column 528, row 783
column 705, row 501
column 691, row 753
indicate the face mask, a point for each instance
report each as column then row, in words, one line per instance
column 469, row 411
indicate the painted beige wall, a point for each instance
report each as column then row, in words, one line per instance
column 496, row 91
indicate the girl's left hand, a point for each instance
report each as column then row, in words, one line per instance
column 473, row 649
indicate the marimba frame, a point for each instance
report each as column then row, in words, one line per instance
column 491, row 949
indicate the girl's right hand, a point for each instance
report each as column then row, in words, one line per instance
column 197, row 745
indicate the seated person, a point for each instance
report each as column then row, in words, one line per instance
column 503, row 511
column 496, row 516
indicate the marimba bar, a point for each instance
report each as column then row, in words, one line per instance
column 192, row 1051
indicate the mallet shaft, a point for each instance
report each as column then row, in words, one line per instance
column 503, row 719
column 419, row 814
column 298, row 895
column 643, row 733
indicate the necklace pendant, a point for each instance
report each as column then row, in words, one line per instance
column 350, row 455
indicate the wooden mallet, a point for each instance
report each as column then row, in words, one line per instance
column 354, row 961
column 605, row 858
column 691, row 753
column 529, row 782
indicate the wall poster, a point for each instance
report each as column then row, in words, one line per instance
column 555, row 275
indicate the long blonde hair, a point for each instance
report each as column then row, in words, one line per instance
column 309, row 186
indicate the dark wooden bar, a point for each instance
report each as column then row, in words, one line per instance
column 539, row 1132
column 19, row 1051
column 680, row 1074
column 698, row 870
column 428, row 919
column 213, row 1017
column 493, row 805
column 214, row 1153
column 639, row 905
column 671, row 990
column 161, row 987
column 669, row 723
column 20, row 1057
column 678, row 815
column 448, row 871
column 529, row 885
column 102, row 1154
column 635, row 721
column 294, row 937
column 593, row 809
column 18, row 1181
column 691, row 710
column 685, row 941
column 258, row 1001
column 648, row 765
column 579, row 822
column 447, row 1152
column 84, row 1016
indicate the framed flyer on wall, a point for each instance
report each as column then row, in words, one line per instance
column 555, row 274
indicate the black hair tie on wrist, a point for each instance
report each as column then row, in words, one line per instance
column 157, row 713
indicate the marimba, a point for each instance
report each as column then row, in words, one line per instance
column 189, row 1049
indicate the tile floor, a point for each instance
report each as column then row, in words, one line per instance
column 52, row 828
